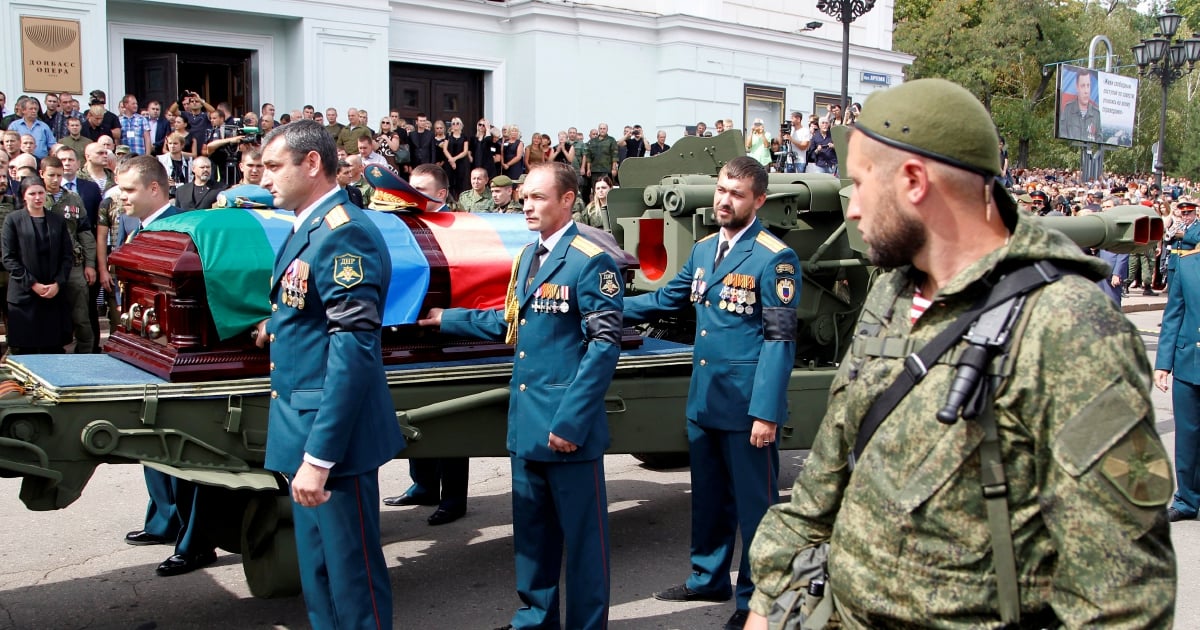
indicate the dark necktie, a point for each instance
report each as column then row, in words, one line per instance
column 535, row 264
column 722, row 249
column 70, row 186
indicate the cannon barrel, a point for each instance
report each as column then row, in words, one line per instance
column 1123, row 230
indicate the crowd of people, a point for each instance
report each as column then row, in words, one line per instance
column 916, row 536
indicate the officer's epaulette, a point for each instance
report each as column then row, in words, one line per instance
column 770, row 241
column 337, row 217
column 588, row 248
column 708, row 237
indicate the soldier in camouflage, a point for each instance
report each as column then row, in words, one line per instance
column 1088, row 480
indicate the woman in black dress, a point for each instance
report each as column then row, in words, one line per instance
column 514, row 154
column 38, row 256
column 458, row 158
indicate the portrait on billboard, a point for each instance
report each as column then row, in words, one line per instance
column 1095, row 106
column 1078, row 113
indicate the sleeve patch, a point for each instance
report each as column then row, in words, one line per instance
column 347, row 270
column 785, row 269
column 608, row 283
column 1138, row 468
column 337, row 217
column 785, row 288
column 768, row 240
column 588, row 248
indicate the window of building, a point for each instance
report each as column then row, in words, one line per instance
column 760, row 101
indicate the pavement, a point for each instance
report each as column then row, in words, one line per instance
column 1135, row 302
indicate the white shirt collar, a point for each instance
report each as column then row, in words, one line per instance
column 157, row 213
column 551, row 242
column 736, row 237
column 303, row 215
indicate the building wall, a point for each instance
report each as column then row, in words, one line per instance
column 548, row 65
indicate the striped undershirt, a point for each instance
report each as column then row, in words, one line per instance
column 919, row 304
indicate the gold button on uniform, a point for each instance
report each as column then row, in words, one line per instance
column 522, row 355
column 272, row 366
column 274, row 308
column 274, row 394
column 522, row 321
column 271, row 338
column 703, row 333
column 707, row 303
column 522, row 387
column 703, row 363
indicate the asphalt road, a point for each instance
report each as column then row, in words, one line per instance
column 70, row 569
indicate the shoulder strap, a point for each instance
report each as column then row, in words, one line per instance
column 1015, row 283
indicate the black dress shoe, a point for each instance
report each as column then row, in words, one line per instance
column 143, row 537
column 408, row 499
column 1148, row 292
column 1175, row 516
column 682, row 593
column 441, row 516
column 738, row 620
column 181, row 563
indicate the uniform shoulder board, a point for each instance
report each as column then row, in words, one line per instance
column 588, row 248
column 337, row 217
column 768, row 240
column 708, row 237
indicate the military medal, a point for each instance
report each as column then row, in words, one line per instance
column 698, row 285
column 302, row 270
column 564, row 306
column 537, row 299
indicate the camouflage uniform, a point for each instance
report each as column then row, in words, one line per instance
column 69, row 206
column 1087, row 474
column 471, row 201
column 591, row 215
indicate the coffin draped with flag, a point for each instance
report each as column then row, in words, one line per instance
column 195, row 285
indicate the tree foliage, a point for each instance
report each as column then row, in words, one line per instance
column 1007, row 54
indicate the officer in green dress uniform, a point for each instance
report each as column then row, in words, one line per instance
column 332, row 420
column 563, row 313
column 744, row 284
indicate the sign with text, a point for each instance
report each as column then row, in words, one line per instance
column 1095, row 106
column 51, row 57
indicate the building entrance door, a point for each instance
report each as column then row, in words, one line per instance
column 161, row 71
column 439, row 92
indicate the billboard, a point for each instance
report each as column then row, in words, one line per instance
column 1095, row 106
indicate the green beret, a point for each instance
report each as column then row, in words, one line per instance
column 500, row 181
column 941, row 121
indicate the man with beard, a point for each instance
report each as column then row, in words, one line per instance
column 1045, row 505
column 200, row 193
column 744, row 284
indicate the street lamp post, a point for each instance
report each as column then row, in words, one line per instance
column 845, row 11
column 1160, row 57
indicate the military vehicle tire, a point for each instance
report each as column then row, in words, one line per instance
column 269, row 557
column 663, row 461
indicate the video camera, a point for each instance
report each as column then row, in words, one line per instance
column 785, row 129
column 250, row 135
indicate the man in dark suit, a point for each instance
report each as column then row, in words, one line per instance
column 200, row 193
column 563, row 313
column 332, row 421
column 744, row 284
column 159, row 127
column 174, row 513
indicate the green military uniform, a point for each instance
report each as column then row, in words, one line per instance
column 110, row 179
column 601, row 155
column 591, row 215
column 471, row 201
column 69, row 206
column 514, row 206
column 581, row 147
column 79, row 144
column 335, row 130
column 348, row 138
column 1088, row 480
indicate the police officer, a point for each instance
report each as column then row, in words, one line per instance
column 563, row 312
column 1046, row 508
column 1178, row 360
column 332, row 420
column 743, row 283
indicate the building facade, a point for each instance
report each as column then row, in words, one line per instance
column 542, row 64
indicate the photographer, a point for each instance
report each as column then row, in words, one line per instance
column 195, row 111
column 635, row 143
column 796, row 138
column 221, row 147
column 758, row 143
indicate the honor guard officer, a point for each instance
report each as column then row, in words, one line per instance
column 563, row 313
column 332, row 420
column 1178, row 360
column 947, row 489
column 744, row 284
